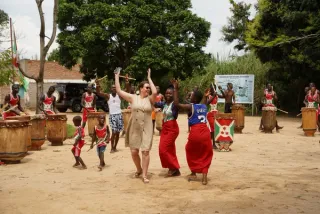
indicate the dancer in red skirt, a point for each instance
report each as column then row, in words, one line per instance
column 88, row 103
column 78, row 142
column 47, row 102
column 199, row 148
column 13, row 101
column 212, row 100
column 169, row 134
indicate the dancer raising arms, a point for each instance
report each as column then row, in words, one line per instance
column 169, row 134
column 199, row 148
column 88, row 103
column 139, row 132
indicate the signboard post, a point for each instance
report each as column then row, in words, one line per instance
column 243, row 86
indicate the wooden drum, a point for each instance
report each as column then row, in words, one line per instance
column 309, row 121
column 24, row 118
column 238, row 111
column 159, row 120
column 38, row 123
column 126, row 114
column 13, row 140
column 93, row 121
column 224, row 131
column 56, row 129
column 269, row 118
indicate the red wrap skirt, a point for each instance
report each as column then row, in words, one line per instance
column 167, row 146
column 199, row 149
column 210, row 117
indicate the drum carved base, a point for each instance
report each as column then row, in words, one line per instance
column 56, row 143
column 309, row 133
column 224, row 146
column 239, row 129
column 36, row 144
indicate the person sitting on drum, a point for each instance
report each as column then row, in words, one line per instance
column 12, row 101
column 115, row 114
column 270, row 96
column 212, row 100
column 47, row 102
column 78, row 142
column 101, row 136
column 313, row 99
column 88, row 103
column 230, row 97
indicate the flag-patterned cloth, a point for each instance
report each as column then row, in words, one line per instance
column 224, row 130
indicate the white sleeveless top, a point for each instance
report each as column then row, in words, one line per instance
column 114, row 104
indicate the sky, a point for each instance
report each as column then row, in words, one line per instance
column 25, row 16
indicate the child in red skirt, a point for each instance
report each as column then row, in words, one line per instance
column 199, row 148
column 78, row 142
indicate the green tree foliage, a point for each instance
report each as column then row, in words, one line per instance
column 4, row 21
column 6, row 70
column 286, row 33
column 162, row 34
column 247, row 64
column 54, row 55
column 237, row 25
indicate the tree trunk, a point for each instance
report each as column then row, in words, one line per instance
column 39, row 94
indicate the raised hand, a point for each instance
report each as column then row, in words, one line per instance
column 149, row 73
column 175, row 83
column 220, row 87
column 207, row 92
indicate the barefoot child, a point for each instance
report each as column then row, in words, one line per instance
column 101, row 136
column 78, row 142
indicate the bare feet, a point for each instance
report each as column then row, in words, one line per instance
column 76, row 165
column 192, row 177
column 84, row 167
column 204, row 179
column 100, row 167
column 111, row 151
column 173, row 173
column 137, row 174
column 145, row 180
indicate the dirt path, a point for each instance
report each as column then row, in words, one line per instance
column 265, row 173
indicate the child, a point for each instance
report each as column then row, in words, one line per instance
column 101, row 136
column 79, row 142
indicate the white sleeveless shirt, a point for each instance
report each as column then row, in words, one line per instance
column 114, row 104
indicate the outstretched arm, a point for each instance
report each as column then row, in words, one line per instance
column 187, row 107
column 126, row 96
column 153, row 96
column 98, row 90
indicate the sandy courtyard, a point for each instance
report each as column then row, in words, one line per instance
column 265, row 173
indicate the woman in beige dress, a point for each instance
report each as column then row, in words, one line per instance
column 139, row 132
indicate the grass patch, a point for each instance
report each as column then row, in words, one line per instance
column 70, row 131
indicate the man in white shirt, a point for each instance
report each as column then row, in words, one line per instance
column 115, row 114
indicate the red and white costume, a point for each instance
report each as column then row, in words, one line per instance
column 211, row 115
column 88, row 103
column 313, row 100
column 101, row 135
column 13, row 101
column 48, row 104
column 77, row 149
column 269, row 98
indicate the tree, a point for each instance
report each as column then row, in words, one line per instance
column 135, row 35
column 6, row 69
column 237, row 25
column 4, row 21
column 54, row 55
column 286, row 33
column 43, row 48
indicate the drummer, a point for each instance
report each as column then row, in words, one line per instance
column 229, row 96
column 115, row 114
column 13, row 102
column 313, row 99
column 270, row 97
column 88, row 103
column 47, row 102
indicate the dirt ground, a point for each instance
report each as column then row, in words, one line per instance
column 265, row 173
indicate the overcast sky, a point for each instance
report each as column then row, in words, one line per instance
column 24, row 14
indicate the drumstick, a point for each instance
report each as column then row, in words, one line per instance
column 283, row 111
column 102, row 78
column 299, row 114
column 13, row 107
column 130, row 78
column 5, row 106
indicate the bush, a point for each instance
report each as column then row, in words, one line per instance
column 70, row 131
